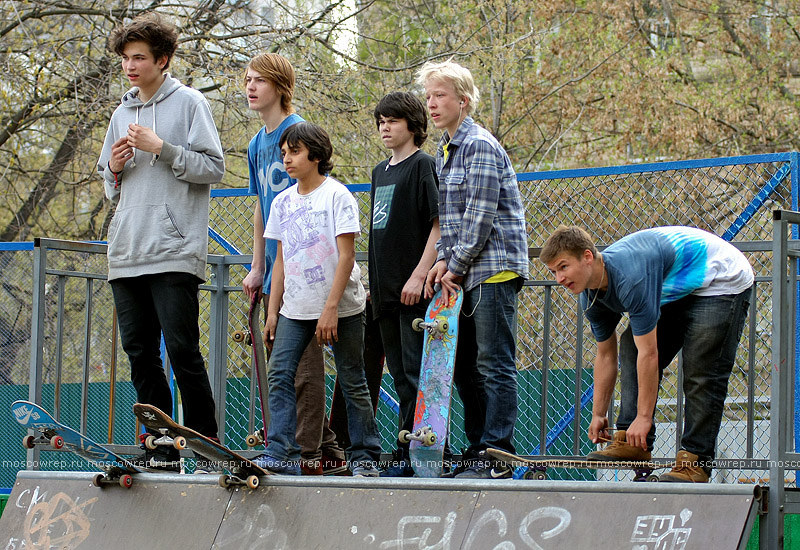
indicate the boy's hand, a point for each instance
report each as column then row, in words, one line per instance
column 434, row 277
column 598, row 429
column 252, row 283
column 120, row 153
column 327, row 326
column 412, row 290
column 269, row 331
column 144, row 139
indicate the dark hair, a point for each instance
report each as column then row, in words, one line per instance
column 152, row 29
column 408, row 107
column 316, row 141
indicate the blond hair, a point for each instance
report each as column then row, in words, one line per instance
column 457, row 75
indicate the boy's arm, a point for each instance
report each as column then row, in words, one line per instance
column 482, row 196
column 329, row 320
column 412, row 290
column 605, row 377
column 275, row 299
column 255, row 279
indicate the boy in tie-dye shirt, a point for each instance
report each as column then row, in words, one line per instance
column 683, row 289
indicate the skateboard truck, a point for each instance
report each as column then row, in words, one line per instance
column 425, row 435
column 151, row 441
column 256, row 438
column 437, row 325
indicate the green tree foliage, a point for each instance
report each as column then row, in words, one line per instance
column 564, row 83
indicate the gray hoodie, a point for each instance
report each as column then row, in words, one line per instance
column 161, row 221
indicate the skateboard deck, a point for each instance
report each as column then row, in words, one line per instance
column 373, row 367
column 253, row 337
column 116, row 469
column 432, row 412
column 242, row 471
column 537, row 468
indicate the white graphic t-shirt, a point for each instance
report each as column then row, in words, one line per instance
column 307, row 226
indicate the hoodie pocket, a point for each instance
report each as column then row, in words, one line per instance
column 144, row 231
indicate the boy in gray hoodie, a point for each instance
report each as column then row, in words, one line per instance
column 160, row 156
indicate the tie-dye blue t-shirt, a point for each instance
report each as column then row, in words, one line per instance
column 653, row 267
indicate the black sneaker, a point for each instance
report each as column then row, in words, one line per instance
column 399, row 466
column 162, row 458
column 203, row 465
column 485, row 468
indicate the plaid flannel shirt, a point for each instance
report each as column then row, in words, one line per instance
column 481, row 216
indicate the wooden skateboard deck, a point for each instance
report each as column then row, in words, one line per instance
column 537, row 468
column 253, row 337
column 432, row 413
column 117, row 470
column 242, row 471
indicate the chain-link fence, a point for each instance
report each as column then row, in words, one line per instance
column 732, row 197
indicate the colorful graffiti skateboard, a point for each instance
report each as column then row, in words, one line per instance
column 253, row 337
column 432, row 414
column 537, row 468
column 116, row 470
column 242, row 471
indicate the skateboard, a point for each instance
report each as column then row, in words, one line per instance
column 373, row 367
column 432, row 413
column 537, row 468
column 116, row 470
column 242, row 471
column 252, row 337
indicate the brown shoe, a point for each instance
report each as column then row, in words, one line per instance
column 687, row 470
column 619, row 450
column 311, row 467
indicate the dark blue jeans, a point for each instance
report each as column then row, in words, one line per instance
column 291, row 338
column 166, row 302
column 402, row 346
column 486, row 370
column 708, row 329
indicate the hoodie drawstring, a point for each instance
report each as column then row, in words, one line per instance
column 155, row 131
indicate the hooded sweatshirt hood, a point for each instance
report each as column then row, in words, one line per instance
column 161, row 220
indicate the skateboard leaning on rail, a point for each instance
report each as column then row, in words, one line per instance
column 537, row 468
column 253, row 338
column 116, row 469
column 242, row 471
column 432, row 413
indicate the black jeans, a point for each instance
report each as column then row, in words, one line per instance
column 166, row 302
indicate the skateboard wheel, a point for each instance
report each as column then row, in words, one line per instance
column 224, row 481
column 416, row 324
column 251, row 440
column 429, row 439
column 150, row 442
column 238, row 336
column 253, row 482
column 98, row 480
column 57, row 442
column 179, row 443
column 403, row 436
column 652, row 478
column 126, row 481
column 28, row 442
column 443, row 327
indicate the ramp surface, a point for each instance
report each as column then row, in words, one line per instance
column 64, row 510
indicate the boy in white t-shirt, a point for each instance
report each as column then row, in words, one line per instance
column 316, row 293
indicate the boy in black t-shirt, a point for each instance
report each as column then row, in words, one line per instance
column 402, row 234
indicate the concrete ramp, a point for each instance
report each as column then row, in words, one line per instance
column 65, row 511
